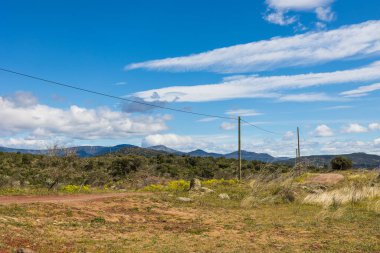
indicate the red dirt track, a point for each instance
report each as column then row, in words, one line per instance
column 60, row 198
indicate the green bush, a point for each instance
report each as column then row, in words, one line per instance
column 341, row 163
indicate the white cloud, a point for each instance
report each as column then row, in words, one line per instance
column 338, row 107
column 207, row 119
column 374, row 126
column 298, row 5
column 360, row 40
column 258, row 87
column 227, row 126
column 323, row 131
column 24, row 143
column 42, row 121
column 307, row 97
column 289, row 135
column 361, row 91
column 355, row 128
column 279, row 8
column 22, row 99
column 120, row 83
column 325, row 14
column 169, row 140
column 377, row 141
column 243, row 112
column 280, row 18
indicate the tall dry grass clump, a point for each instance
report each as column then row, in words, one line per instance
column 343, row 195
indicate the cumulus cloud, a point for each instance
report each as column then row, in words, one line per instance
column 355, row 128
column 259, row 87
column 281, row 8
column 169, row 140
column 374, row 126
column 42, row 121
column 227, row 126
column 323, row 131
column 361, row 91
column 360, row 40
column 20, row 142
column 22, row 99
column 243, row 112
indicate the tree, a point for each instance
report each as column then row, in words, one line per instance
column 341, row 163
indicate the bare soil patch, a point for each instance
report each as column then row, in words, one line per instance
column 327, row 179
column 60, row 198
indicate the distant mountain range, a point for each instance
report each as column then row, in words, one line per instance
column 360, row 160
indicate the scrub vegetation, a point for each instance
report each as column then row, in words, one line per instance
column 273, row 209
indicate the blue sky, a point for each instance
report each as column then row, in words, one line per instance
column 278, row 63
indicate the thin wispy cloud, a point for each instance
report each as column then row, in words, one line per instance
column 243, row 112
column 362, row 90
column 360, row 40
column 259, row 87
column 338, row 107
column 207, row 119
column 307, row 97
column 227, row 126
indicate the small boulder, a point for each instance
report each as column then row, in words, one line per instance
column 24, row 250
column 195, row 184
column 184, row 199
column 224, row 196
column 206, row 190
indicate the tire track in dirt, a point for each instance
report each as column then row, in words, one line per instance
column 4, row 200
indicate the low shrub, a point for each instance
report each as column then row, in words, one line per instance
column 75, row 188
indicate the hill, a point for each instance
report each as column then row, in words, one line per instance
column 360, row 160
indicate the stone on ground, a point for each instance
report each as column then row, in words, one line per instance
column 224, row 196
column 195, row 184
column 184, row 199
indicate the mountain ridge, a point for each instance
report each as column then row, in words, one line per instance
column 360, row 159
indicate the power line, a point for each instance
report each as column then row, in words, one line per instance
column 131, row 100
column 115, row 97
column 260, row 128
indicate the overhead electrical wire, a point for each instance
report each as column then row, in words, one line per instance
column 128, row 100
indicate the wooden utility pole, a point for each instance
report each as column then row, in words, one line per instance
column 298, row 167
column 239, row 147
column 298, row 138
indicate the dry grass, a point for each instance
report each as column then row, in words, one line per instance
column 158, row 222
column 343, row 195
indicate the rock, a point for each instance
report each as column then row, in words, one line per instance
column 206, row 190
column 22, row 250
column 183, row 199
column 195, row 184
column 224, row 196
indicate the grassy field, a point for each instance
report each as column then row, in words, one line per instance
column 270, row 213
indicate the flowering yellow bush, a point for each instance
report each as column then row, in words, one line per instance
column 154, row 187
column 213, row 182
column 75, row 188
column 176, row 185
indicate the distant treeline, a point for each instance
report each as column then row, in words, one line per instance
column 48, row 171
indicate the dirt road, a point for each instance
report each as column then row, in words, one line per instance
column 61, row 198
